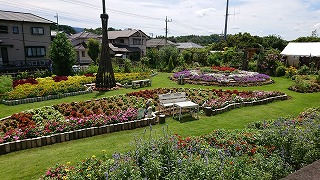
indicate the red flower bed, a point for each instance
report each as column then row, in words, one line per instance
column 24, row 81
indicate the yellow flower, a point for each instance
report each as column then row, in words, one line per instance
column 68, row 162
column 94, row 156
column 89, row 175
column 104, row 151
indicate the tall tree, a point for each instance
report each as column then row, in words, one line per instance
column 62, row 54
column 93, row 49
column 65, row 28
column 105, row 77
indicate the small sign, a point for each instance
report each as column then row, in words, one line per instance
column 140, row 113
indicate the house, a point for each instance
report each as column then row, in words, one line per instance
column 158, row 43
column 302, row 53
column 188, row 45
column 79, row 42
column 129, row 43
column 24, row 41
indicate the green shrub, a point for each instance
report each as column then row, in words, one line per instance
column 5, row 84
column 253, row 66
column 92, row 69
column 303, row 70
column 281, row 71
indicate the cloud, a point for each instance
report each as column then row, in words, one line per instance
column 317, row 26
column 204, row 12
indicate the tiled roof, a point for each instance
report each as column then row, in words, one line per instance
column 188, row 45
column 83, row 35
column 124, row 34
column 19, row 16
column 158, row 42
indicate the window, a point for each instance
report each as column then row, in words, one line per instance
column 37, row 30
column 138, row 41
column 83, row 53
column 3, row 29
column 35, row 51
column 15, row 30
column 121, row 40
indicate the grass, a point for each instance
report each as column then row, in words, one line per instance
column 32, row 163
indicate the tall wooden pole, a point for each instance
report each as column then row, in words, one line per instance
column 105, row 76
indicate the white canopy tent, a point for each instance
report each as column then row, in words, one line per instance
column 295, row 51
column 302, row 49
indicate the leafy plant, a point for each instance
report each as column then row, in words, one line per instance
column 5, row 84
column 281, row 71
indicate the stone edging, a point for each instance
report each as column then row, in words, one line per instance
column 209, row 111
column 43, row 98
column 73, row 135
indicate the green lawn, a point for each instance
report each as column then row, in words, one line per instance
column 32, row 163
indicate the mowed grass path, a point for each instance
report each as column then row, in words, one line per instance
column 32, row 163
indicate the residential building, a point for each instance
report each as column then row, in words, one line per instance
column 129, row 43
column 79, row 42
column 24, row 41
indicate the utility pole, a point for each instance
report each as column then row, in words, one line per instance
column 57, row 16
column 226, row 22
column 167, row 28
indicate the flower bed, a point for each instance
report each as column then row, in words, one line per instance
column 267, row 150
column 230, row 77
column 42, row 87
column 216, row 100
column 305, row 84
column 73, row 116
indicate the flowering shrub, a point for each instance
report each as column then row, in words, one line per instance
column 59, row 78
column 48, row 86
column 268, row 150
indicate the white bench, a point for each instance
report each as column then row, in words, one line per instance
column 178, row 99
column 141, row 83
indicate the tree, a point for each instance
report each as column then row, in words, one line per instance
column 62, row 54
column 65, row 28
column 93, row 49
column 164, row 56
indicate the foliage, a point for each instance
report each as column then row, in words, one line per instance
column 303, row 70
column 305, row 84
column 91, row 69
column 153, row 55
column 232, row 57
column 268, row 150
column 274, row 42
column 281, row 71
column 271, row 59
column 93, row 49
column 252, row 66
column 62, row 54
column 5, row 84
column 170, row 65
column 307, row 39
column 215, row 59
column 127, row 66
column 165, row 54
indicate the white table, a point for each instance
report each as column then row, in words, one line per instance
column 186, row 104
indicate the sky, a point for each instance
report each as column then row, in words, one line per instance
column 288, row 19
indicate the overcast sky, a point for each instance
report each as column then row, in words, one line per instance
column 289, row 19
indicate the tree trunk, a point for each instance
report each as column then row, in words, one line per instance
column 105, row 77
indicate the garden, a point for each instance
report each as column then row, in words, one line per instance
column 251, row 126
column 76, row 110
